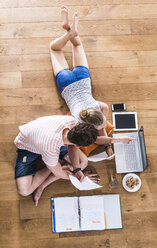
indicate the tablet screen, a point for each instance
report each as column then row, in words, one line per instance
column 125, row 121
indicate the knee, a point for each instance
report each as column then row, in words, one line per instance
column 53, row 46
column 23, row 191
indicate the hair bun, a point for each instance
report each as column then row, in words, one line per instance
column 84, row 113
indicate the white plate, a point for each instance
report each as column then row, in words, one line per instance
column 136, row 187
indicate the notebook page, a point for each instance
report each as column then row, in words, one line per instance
column 66, row 214
column 112, row 210
column 91, row 213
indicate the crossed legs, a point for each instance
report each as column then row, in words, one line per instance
column 83, row 162
column 79, row 58
column 26, row 185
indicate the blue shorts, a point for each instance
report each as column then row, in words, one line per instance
column 26, row 161
column 66, row 76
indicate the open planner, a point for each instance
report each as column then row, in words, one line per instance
column 83, row 213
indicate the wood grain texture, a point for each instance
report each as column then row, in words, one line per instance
column 44, row 14
column 91, row 44
column 120, row 40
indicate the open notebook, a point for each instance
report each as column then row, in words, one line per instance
column 85, row 213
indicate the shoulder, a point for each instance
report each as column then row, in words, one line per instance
column 67, row 121
column 104, row 108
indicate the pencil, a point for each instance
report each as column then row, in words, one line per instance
column 105, row 221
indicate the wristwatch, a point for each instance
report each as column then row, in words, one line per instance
column 108, row 146
column 76, row 170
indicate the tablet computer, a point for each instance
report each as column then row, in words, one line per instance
column 126, row 121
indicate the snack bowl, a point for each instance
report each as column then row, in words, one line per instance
column 130, row 179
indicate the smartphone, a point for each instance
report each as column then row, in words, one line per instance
column 118, row 107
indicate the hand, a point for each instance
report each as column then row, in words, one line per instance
column 94, row 177
column 110, row 152
column 126, row 139
column 80, row 176
column 67, row 169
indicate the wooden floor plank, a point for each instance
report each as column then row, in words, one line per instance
column 144, row 26
column 101, row 27
column 38, row 14
column 53, row 29
column 10, row 80
column 96, row 60
column 142, row 239
column 28, row 3
column 138, row 75
column 91, row 44
column 38, row 96
column 18, row 114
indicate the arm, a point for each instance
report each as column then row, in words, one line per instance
column 74, row 157
column 58, row 171
column 73, row 153
column 102, row 135
column 110, row 140
column 104, row 108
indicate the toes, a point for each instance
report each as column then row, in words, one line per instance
column 36, row 203
column 64, row 7
column 75, row 14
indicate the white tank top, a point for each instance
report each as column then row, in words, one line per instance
column 78, row 95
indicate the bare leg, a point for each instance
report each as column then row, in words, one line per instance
column 82, row 161
column 58, row 60
column 79, row 57
column 27, row 184
column 52, row 178
column 39, row 190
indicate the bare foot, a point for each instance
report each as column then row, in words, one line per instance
column 74, row 25
column 73, row 28
column 64, row 13
column 94, row 177
column 37, row 195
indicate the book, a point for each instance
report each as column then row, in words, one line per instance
column 86, row 184
column 84, row 213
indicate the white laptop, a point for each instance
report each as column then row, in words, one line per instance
column 131, row 157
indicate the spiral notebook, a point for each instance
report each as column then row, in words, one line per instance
column 84, row 213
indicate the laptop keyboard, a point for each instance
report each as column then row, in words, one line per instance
column 127, row 155
column 130, row 151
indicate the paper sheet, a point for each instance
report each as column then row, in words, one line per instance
column 66, row 214
column 92, row 213
column 99, row 157
column 86, row 183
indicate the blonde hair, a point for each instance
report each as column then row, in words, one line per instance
column 92, row 116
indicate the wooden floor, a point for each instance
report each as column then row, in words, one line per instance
column 120, row 39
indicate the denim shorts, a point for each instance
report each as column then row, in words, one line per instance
column 66, row 76
column 26, row 161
